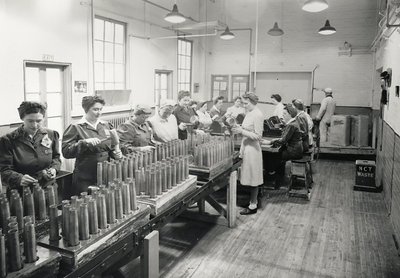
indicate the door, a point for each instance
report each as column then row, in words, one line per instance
column 48, row 83
column 162, row 85
column 219, row 86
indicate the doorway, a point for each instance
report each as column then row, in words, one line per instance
column 162, row 85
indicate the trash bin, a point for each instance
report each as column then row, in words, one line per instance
column 365, row 175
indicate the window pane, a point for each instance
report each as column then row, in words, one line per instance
column 99, row 71
column 157, row 82
column 119, row 73
column 108, row 52
column 98, row 51
column 163, row 94
column 187, row 66
column 164, row 84
column 188, row 48
column 33, row 97
column 99, row 86
column 31, row 79
column 187, row 88
column 119, row 33
column 119, row 86
column 53, row 80
column 119, row 53
column 109, row 31
column 108, row 72
column 98, row 29
column 179, row 46
column 56, row 124
column 187, row 76
column 54, row 104
column 108, row 86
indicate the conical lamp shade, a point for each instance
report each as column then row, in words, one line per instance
column 227, row 34
column 275, row 31
column 175, row 16
column 314, row 6
column 327, row 29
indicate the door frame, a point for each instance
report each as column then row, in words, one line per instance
column 66, row 86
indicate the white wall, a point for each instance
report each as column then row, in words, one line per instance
column 388, row 56
column 32, row 28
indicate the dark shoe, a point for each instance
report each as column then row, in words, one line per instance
column 248, row 211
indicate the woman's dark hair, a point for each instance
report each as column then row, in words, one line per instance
column 277, row 97
column 291, row 110
column 31, row 107
column 89, row 101
column 298, row 104
column 236, row 98
column 252, row 97
column 192, row 102
column 218, row 99
column 183, row 94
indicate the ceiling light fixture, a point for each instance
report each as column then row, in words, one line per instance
column 175, row 16
column 315, row 6
column 227, row 34
column 327, row 29
column 275, row 31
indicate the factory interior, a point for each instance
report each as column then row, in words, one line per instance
column 199, row 138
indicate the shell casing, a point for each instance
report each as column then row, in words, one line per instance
column 50, row 196
column 29, row 218
column 124, row 170
column 173, row 174
column 110, row 205
column 30, row 243
column 159, row 190
column 99, row 173
column 132, row 191
column 152, row 185
column 109, row 173
column 114, row 172
column 42, row 210
column 126, row 199
column 101, row 211
column 65, row 219
column 148, row 182
column 3, row 259
column 119, row 170
column 73, row 200
column 131, row 169
column 73, row 238
column 18, row 211
column 29, row 207
column 118, row 203
column 83, row 222
column 93, row 218
column 105, row 171
column 14, row 251
column 54, row 228
column 168, row 176
column 163, row 172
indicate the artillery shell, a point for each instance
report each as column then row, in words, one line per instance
column 119, row 170
column 110, row 176
column 14, row 251
column 114, row 172
column 73, row 238
column 163, row 178
column 93, row 218
column 55, row 190
column 158, row 181
column 18, row 211
column 99, row 173
column 147, row 181
column 54, row 228
column 105, row 171
column 110, row 205
column 101, row 211
column 3, row 260
column 83, row 222
column 73, row 200
column 27, row 219
column 173, row 174
column 30, row 243
column 125, row 170
column 50, row 197
column 65, row 220
column 132, row 191
column 29, row 208
column 152, row 185
column 138, row 181
column 118, row 203
column 126, row 199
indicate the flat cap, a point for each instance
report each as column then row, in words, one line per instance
column 167, row 102
column 142, row 109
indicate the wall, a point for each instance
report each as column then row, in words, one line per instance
column 32, row 28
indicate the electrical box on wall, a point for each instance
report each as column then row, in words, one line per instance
column 196, row 87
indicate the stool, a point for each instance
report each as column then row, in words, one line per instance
column 301, row 171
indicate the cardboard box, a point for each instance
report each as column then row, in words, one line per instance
column 359, row 130
column 339, row 133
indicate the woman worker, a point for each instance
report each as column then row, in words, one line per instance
column 90, row 140
column 204, row 118
column 236, row 109
column 184, row 114
column 135, row 133
column 291, row 142
column 30, row 153
column 250, row 149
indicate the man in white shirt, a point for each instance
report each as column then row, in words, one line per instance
column 327, row 109
column 164, row 123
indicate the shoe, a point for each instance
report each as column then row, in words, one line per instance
column 248, row 211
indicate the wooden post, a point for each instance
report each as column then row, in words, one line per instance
column 150, row 258
column 231, row 199
column 202, row 205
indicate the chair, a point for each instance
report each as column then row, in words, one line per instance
column 301, row 173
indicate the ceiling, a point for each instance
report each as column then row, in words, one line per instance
column 355, row 20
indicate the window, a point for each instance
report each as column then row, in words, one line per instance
column 162, row 85
column 219, row 86
column 109, row 54
column 184, row 65
column 239, row 85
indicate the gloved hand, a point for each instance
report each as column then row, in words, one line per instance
column 182, row 126
column 27, row 180
column 92, row 141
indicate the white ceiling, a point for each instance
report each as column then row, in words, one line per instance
column 355, row 20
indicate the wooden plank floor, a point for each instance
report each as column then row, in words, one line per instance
column 339, row 233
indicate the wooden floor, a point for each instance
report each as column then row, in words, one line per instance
column 339, row 233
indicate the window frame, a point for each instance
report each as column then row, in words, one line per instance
column 178, row 64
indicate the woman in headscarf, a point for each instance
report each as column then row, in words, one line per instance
column 250, row 149
column 90, row 140
column 30, row 153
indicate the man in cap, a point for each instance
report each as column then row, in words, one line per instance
column 324, row 115
column 164, row 123
column 135, row 133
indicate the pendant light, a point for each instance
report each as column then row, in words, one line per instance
column 227, row 34
column 275, row 31
column 175, row 16
column 327, row 29
column 315, row 6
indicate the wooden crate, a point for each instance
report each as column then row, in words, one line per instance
column 209, row 173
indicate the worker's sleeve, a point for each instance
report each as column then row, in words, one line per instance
column 322, row 109
column 9, row 176
column 72, row 144
column 56, row 161
column 258, row 130
column 287, row 134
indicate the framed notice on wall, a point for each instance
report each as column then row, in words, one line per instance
column 219, row 86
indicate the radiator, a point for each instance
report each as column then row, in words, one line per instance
column 116, row 121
